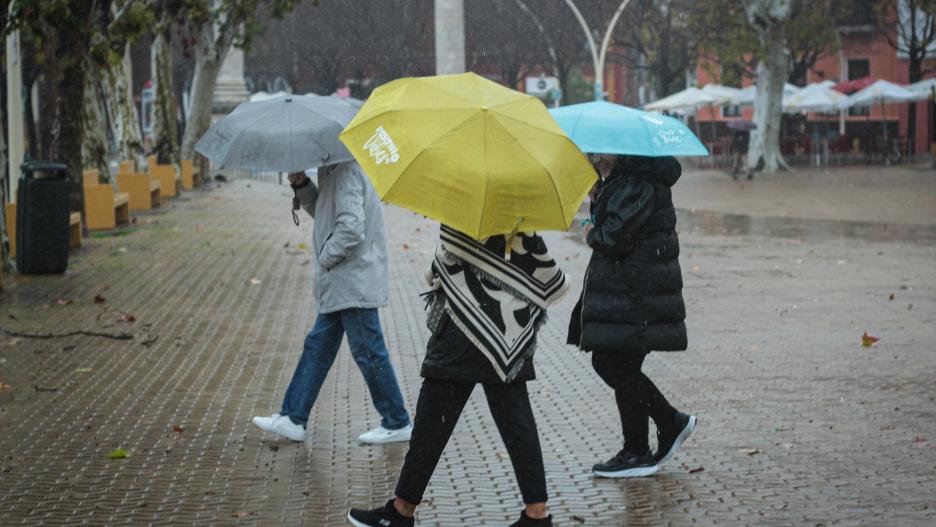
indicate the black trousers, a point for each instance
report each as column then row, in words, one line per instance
column 441, row 403
column 637, row 397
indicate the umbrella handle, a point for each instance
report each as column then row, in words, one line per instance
column 513, row 234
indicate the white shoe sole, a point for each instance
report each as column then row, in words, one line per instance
column 389, row 439
column 637, row 472
column 294, row 437
column 355, row 522
column 690, row 426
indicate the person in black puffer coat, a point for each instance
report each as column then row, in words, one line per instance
column 632, row 302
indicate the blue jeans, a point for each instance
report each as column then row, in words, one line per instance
column 370, row 353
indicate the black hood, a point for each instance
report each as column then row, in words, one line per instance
column 664, row 169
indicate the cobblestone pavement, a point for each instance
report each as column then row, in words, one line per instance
column 799, row 424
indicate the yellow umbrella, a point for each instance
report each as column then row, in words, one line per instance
column 479, row 157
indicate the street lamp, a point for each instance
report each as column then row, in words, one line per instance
column 598, row 56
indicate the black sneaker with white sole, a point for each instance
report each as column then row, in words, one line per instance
column 386, row 516
column 670, row 438
column 626, row 465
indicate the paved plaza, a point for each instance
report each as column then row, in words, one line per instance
column 799, row 424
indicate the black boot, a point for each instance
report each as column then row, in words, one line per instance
column 627, row 465
column 386, row 516
column 671, row 437
column 526, row 521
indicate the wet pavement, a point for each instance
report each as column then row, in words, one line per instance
column 799, row 424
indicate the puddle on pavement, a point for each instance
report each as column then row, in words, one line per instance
column 717, row 223
column 713, row 223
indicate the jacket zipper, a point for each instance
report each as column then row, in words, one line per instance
column 324, row 244
column 582, row 313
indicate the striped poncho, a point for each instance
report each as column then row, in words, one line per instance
column 498, row 301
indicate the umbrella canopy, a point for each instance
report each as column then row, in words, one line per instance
column 285, row 134
column 854, row 85
column 470, row 153
column 606, row 128
column 815, row 98
column 746, row 96
column 925, row 89
column 722, row 94
column 879, row 92
column 689, row 98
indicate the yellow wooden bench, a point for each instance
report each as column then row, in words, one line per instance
column 104, row 209
column 74, row 228
column 191, row 176
column 126, row 167
column 143, row 190
column 165, row 175
column 9, row 212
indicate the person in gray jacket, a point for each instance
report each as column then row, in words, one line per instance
column 351, row 282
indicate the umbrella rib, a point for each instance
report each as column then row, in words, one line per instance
column 551, row 178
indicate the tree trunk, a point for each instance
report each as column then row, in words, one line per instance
column 209, row 55
column 94, row 144
column 165, row 128
column 769, row 17
column 63, row 102
column 126, row 124
column 768, row 114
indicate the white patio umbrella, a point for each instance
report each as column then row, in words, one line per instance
column 746, row 96
column 880, row 92
column 924, row 89
column 814, row 98
column 689, row 98
column 722, row 94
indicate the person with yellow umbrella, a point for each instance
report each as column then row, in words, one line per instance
column 493, row 167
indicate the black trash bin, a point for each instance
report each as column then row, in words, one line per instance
column 42, row 218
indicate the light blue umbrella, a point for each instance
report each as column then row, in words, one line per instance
column 602, row 127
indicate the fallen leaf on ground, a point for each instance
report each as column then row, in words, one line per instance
column 302, row 247
column 868, row 340
column 891, row 297
column 12, row 316
column 4, row 386
column 177, row 429
column 500, row 456
column 696, row 470
column 405, row 246
column 118, row 454
column 750, row 451
column 83, row 370
column 63, row 302
column 199, row 226
column 98, row 299
column 242, row 514
column 254, row 281
column 129, row 319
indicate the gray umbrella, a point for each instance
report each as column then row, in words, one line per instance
column 285, row 134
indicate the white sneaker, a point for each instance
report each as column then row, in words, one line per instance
column 381, row 435
column 282, row 425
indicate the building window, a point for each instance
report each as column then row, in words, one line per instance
column 857, row 69
column 731, row 111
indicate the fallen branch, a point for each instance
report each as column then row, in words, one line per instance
column 115, row 336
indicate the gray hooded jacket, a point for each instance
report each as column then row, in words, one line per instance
column 348, row 239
